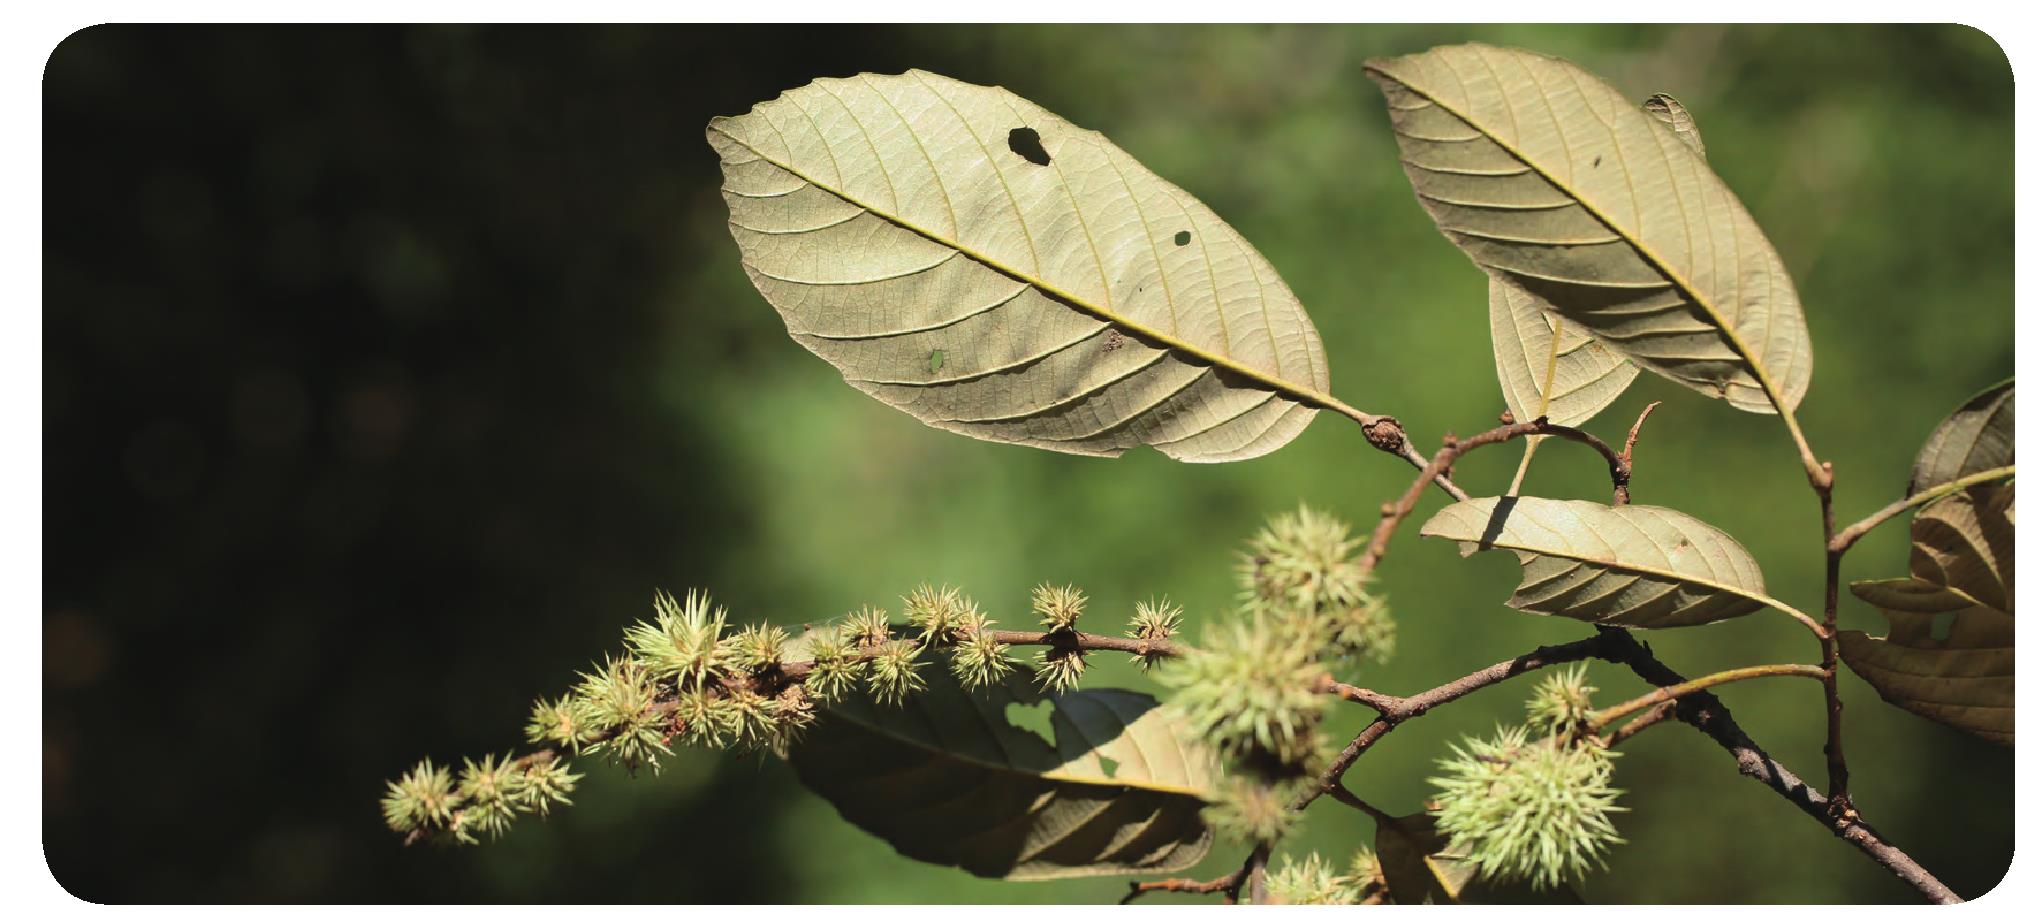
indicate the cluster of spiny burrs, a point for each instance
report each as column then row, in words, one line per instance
column 1060, row 667
column 1533, row 803
column 1313, row 880
column 1302, row 568
column 1253, row 689
column 686, row 676
column 683, row 675
column 429, row 802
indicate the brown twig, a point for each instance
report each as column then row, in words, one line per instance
column 1672, row 692
column 796, row 671
column 1231, row 885
column 1256, row 877
column 1394, row 711
column 1847, row 538
column 1653, row 716
column 1822, row 477
column 1620, row 474
column 1386, row 435
column 1343, row 795
column 1394, row 513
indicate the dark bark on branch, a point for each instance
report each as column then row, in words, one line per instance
column 1705, row 712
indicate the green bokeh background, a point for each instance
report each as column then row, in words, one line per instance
column 388, row 371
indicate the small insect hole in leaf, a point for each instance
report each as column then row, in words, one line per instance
column 1037, row 718
column 1181, row 238
column 1109, row 766
column 1025, row 142
column 1942, row 626
column 1598, row 161
column 936, row 360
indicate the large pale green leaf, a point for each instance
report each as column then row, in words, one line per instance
column 974, row 260
column 1539, row 353
column 1421, row 868
column 1950, row 654
column 1976, row 437
column 1551, row 180
column 1639, row 566
column 948, row 778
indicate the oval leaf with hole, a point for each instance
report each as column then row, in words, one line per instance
column 1548, row 366
column 1978, row 436
column 1961, row 672
column 949, row 778
column 983, row 265
column 1638, row 566
column 1551, row 180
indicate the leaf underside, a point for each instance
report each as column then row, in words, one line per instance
column 1421, row 868
column 949, row 779
column 1967, row 541
column 1976, row 437
column 1950, row 654
column 1585, row 372
column 1638, row 566
column 1552, row 181
column 983, row 265
column 1670, row 113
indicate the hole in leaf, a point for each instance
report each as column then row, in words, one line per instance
column 1942, row 626
column 1037, row 718
column 936, row 360
column 1598, row 161
column 1025, row 142
column 1109, row 766
column 1181, row 238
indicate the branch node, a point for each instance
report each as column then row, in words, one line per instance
column 1385, row 434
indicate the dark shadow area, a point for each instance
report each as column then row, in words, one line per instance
column 352, row 341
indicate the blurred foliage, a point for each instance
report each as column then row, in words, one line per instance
column 389, row 371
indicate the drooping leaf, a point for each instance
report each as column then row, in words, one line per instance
column 1950, row 653
column 1422, row 868
column 1639, row 566
column 1551, row 180
column 1978, row 436
column 1911, row 595
column 1676, row 117
column 1967, row 541
column 974, row 260
column 1537, row 351
column 949, row 778
column 1958, row 669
